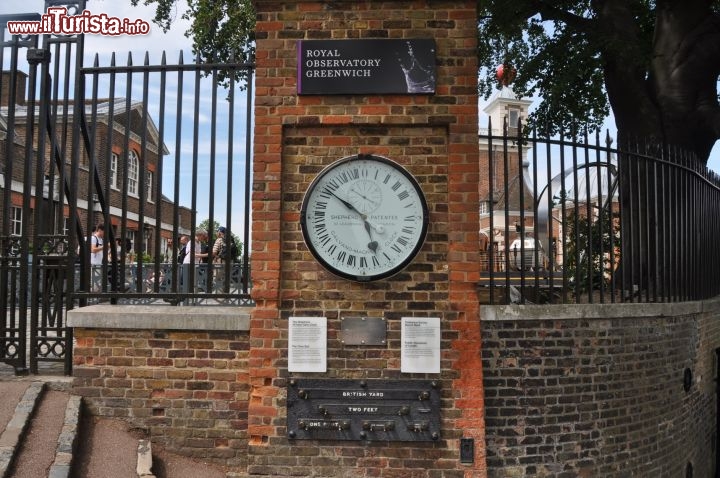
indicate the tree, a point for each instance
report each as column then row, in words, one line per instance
column 591, row 254
column 222, row 31
column 654, row 62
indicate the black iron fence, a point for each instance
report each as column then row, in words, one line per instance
column 174, row 173
column 574, row 220
column 153, row 154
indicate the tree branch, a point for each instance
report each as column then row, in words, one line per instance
column 548, row 11
column 627, row 60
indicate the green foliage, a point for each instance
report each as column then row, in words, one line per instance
column 205, row 225
column 591, row 253
column 222, row 31
column 580, row 57
column 655, row 64
column 556, row 60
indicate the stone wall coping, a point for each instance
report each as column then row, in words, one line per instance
column 160, row 317
column 596, row 311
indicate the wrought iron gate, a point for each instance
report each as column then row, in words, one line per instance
column 107, row 146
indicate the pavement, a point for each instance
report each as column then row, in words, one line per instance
column 43, row 433
column 21, row 402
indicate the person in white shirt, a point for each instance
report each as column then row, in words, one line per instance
column 97, row 243
column 197, row 244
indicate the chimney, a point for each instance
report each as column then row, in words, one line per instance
column 6, row 81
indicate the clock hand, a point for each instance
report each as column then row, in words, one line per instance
column 346, row 203
column 372, row 245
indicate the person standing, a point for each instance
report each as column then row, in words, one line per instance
column 196, row 245
column 118, row 249
column 97, row 246
column 219, row 249
column 202, row 239
column 189, row 245
column 97, row 242
column 183, row 250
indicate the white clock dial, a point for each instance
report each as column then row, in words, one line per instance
column 364, row 218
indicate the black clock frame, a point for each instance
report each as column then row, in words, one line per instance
column 375, row 277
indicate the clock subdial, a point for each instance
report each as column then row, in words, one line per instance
column 365, row 195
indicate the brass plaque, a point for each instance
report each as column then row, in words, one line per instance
column 363, row 331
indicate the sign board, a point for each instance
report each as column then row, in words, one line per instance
column 366, row 66
column 307, row 344
column 420, row 345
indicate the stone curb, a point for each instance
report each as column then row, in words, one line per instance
column 18, row 424
column 144, row 459
column 67, row 441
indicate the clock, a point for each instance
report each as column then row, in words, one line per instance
column 364, row 218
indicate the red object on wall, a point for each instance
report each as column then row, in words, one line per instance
column 505, row 74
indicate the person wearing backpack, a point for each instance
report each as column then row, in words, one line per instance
column 219, row 254
column 219, row 250
column 224, row 249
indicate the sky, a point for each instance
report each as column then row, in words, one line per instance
column 609, row 126
column 173, row 42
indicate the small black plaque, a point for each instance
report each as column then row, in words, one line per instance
column 373, row 410
column 467, row 450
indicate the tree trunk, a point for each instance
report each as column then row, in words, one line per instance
column 666, row 109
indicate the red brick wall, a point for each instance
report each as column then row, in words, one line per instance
column 435, row 138
column 189, row 389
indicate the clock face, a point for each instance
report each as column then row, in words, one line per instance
column 364, row 218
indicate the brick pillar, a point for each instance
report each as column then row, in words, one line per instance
column 434, row 136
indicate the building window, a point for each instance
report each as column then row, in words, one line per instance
column 513, row 116
column 133, row 169
column 16, row 221
column 51, row 183
column 149, row 184
column 484, row 207
column 113, row 171
column 147, row 235
column 513, row 120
